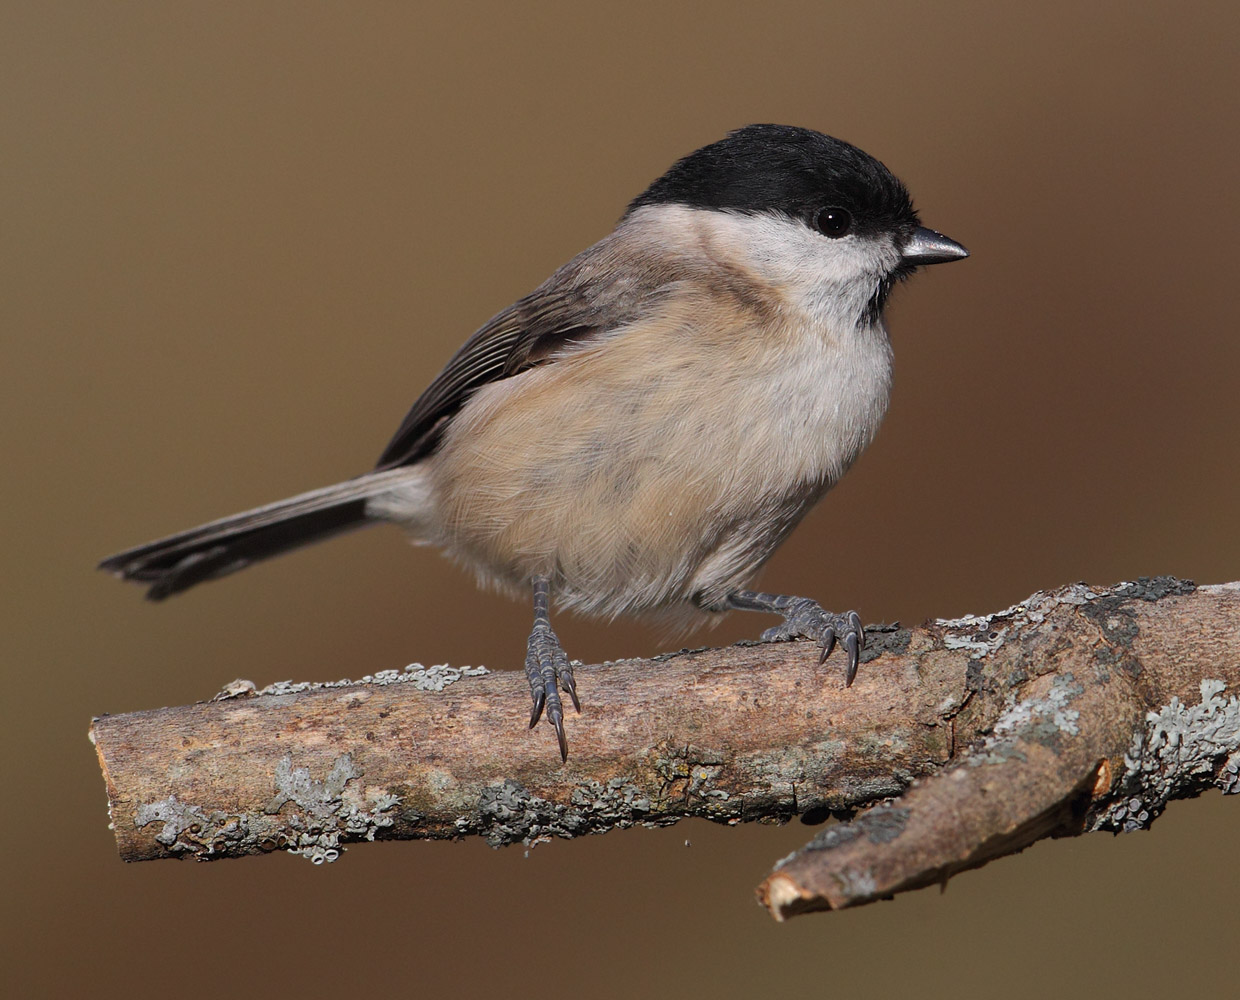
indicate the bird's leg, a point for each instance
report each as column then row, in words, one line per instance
column 803, row 617
column 547, row 667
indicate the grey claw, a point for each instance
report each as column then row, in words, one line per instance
column 828, row 644
column 854, row 622
column 570, row 688
column 558, row 722
column 540, row 699
column 850, row 644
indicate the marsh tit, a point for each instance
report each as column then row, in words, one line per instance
column 640, row 432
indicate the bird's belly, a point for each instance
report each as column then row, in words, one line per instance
column 635, row 490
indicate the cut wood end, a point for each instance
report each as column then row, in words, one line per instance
column 1102, row 781
column 784, row 898
column 108, row 784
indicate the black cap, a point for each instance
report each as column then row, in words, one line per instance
column 794, row 171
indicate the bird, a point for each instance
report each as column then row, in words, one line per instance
column 639, row 433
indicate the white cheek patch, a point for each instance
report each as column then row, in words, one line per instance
column 832, row 280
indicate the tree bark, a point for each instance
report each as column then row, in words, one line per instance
column 1080, row 709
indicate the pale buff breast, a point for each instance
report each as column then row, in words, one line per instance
column 640, row 484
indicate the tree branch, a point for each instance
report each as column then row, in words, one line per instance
column 1074, row 710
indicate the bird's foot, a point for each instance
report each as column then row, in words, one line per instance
column 806, row 618
column 548, row 668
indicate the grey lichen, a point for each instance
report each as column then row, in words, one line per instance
column 188, row 829
column 880, row 825
column 1043, row 720
column 1181, row 749
column 856, row 884
column 305, row 816
column 434, row 678
column 509, row 813
column 686, row 771
column 1037, row 718
column 984, row 634
column 621, row 801
column 1115, row 617
column 1229, row 779
column 1154, row 588
column 240, row 688
column 327, row 810
column 828, row 839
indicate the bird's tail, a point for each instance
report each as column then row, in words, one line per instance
column 176, row 563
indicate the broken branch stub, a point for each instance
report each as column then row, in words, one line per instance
column 1074, row 710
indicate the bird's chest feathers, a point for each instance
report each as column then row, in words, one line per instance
column 815, row 400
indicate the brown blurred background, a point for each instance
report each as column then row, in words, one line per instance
column 239, row 238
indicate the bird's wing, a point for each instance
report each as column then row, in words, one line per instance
column 595, row 292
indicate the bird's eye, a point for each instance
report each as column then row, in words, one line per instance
column 833, row 222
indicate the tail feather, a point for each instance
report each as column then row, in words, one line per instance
column 218, row 548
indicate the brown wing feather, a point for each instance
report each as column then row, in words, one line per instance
column 597, row 291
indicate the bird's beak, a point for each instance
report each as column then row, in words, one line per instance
column 929, row 247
